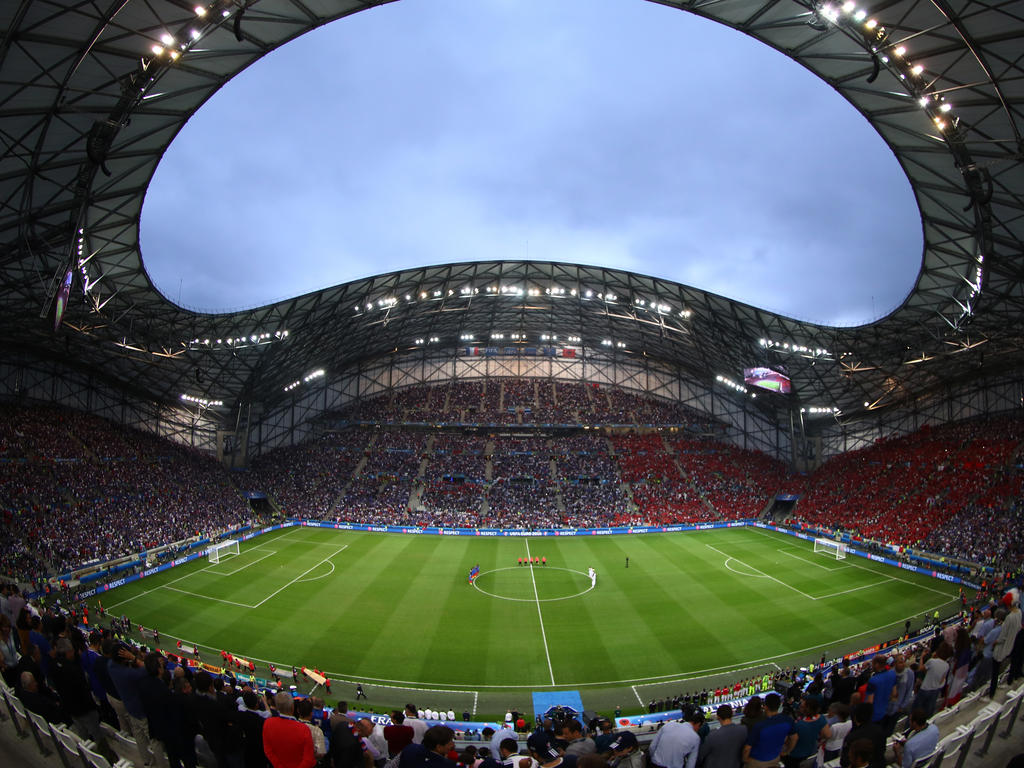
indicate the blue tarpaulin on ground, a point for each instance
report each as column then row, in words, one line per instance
column 545, row 700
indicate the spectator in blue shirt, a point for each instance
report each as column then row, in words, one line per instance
column 922, row 741
column 879, row 692
column 770, row 738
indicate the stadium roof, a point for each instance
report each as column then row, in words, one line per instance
column 92, row 94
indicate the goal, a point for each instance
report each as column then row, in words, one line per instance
column 835, row 548
column 222, row 549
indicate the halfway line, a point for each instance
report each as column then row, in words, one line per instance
column 536, row 598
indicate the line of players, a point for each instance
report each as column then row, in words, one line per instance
column 727, row 693
column 532, row 561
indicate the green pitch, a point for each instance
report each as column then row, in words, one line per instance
column 396, row 611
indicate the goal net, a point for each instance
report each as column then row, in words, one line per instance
column 222, row 549
column 830, row 547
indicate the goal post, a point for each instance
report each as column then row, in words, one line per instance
column 222, row 549
column 836, row 549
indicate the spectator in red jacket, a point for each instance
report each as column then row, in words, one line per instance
column 286, row 741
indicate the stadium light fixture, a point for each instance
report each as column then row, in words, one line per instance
column 730, row 383
column 200, row 11
column 201, row 401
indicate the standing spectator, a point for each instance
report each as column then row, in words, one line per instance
column 287, row 742
column 864, row 729
column 843, row 685
column 251, row 719
column 879, row 691
column 8, row 651
column 72, row 687
column 723, row 747
column 216, row 721
column 811, row 729
column 572, row 731
column 346, row 749
column 127, row 674
column 676, row 745
column 162, row 712
column 303, row 711
column 438, row 741
column 753, row 712
column 904, row 690
column 398, row 735
column 419, row 727
column 603, row 741
column 1001, row 651
column 769, row 739
column 935, row 671
column 839, row 726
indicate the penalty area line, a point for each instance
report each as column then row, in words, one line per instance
column 762, row 573
column 299, row 577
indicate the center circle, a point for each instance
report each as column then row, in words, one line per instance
column 533, row 583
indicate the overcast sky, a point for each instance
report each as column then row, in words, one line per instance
column 616, row 133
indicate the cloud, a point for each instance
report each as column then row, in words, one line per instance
column 623, row 135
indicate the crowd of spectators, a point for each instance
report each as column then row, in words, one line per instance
column 954, row 488
column 77, row 489
column 736, row 483
column 308, row 478
column 523, row 401
column 172, row 709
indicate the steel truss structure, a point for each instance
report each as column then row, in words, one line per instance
column 93, row 91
